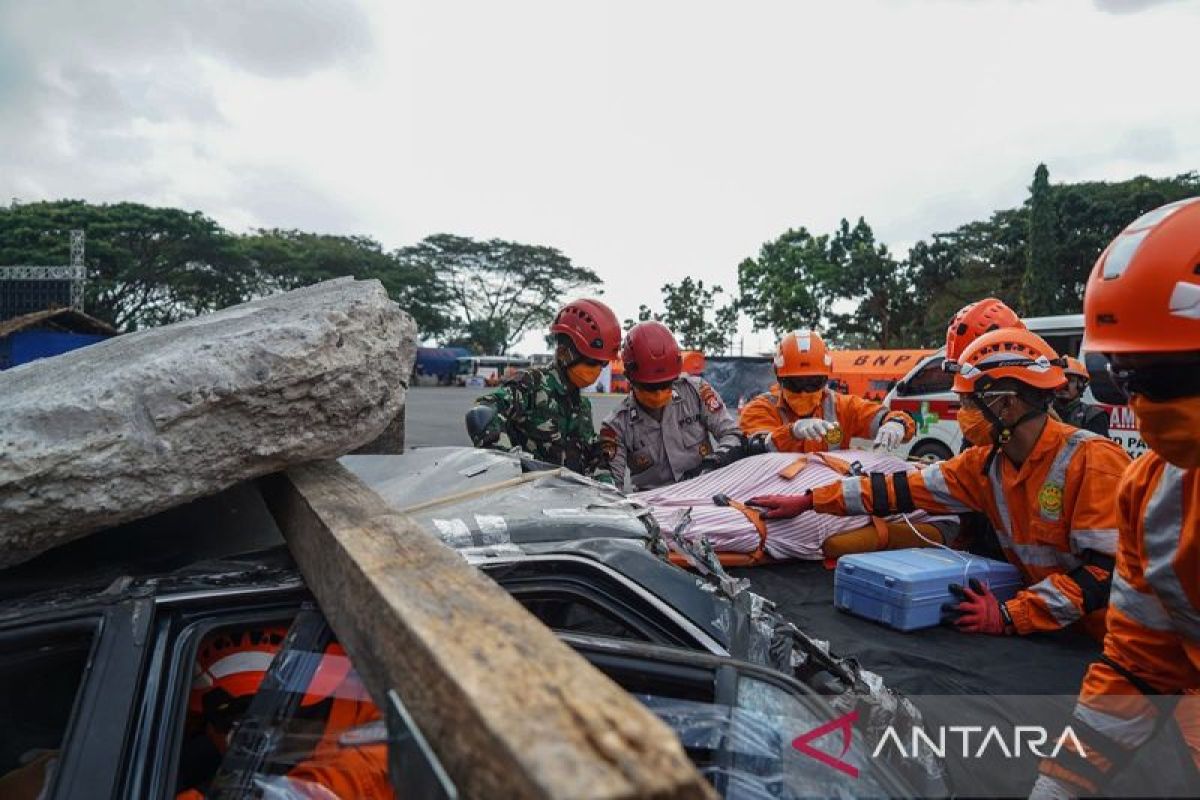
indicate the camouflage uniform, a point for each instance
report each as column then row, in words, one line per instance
column 660, row 453
column 539, row 412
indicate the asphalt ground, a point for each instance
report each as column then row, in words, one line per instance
column 434, row 414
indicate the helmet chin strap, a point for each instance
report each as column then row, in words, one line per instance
column 1002, row 432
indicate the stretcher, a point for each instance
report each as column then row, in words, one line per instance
column 719, row 512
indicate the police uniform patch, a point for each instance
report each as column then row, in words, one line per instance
column 640, row 463
column 1050, row 501
column 712, row 400
column 705, row 449
column 608, row 441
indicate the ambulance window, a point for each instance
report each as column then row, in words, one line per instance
column 39, row 681
column 930, row 379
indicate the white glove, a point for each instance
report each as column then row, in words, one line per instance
column 811, row 429
column 891, row 434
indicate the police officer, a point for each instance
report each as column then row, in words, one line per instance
column 541, row 410
column 1068, row 401
column 662, row 429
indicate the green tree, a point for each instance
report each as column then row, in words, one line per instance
column 146, row 266
column 1040, row 289
column 787, row 285
column 880, row 287
column 644, row 314
column 287, row 259
column 1090, row 214
column 498, row 290
column 691, row 312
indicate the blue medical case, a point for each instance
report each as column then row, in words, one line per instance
column 905, row 589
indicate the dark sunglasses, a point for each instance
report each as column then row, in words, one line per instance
column 1159, row 383
column 653, row 387
column 808, row 383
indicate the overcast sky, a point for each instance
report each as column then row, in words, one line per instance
column 648, row 140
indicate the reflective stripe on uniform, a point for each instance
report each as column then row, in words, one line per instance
column 829, row 408
column 877, row 421
column 1058, row 604
column 1043, row 555
column 1033, row 555
column 852, row 494
column 1144, row 609
column 1102, row 540
column 1057, row 476
column 935, row 482
column 1161, row 530
column 1128, row 731
column 1004, row 530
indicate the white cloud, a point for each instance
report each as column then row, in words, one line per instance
column 648, row 141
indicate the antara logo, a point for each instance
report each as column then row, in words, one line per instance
column 1033, row 737
column 845, row 724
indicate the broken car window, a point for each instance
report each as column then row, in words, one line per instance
column 39, row 681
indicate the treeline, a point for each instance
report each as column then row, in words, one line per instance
column 152, row 266
column 852, row 287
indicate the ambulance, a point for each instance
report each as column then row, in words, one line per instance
column 924, row 393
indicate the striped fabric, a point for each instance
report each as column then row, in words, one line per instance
column 730, row 531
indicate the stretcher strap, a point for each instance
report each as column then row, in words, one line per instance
column 843, row 468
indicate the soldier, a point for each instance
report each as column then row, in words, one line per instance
column 662, row 429
column 540, row 410
column 1068, row 401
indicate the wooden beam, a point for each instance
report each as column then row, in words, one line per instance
column 509, row 709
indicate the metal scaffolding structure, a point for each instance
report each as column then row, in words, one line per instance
column 25, row 289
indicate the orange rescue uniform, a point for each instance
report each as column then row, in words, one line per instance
column 1154, row 618
column 1055, row 517
column 856, row 418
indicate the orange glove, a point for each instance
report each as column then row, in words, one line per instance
column 782, row 506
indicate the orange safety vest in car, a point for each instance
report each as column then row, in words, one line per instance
column 1048, row 514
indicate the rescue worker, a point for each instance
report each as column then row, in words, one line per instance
column 349, row 757
column 974, row 320
column 1047, row 488
column 541, row 410
column 662, row 429
column 1068, row 401
column 800, row 414
column 1142, row 309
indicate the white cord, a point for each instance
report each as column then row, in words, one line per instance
column 967, row 559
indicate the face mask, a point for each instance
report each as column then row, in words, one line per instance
column 1171, row 428
column 657, row 399
column 802, row 403
column 974, row 426
column 583, row 374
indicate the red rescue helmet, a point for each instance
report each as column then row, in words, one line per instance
column 973, row 321
column 651, row 354
column 591, row 326
column 1143, row 295
column 236, row 663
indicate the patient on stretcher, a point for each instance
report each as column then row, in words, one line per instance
column 740, row 537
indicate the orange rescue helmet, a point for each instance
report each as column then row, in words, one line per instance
column 237, row 661
column 1009, row 353
column 973, row 321
column 802, row 353
column 1143, row 295
column 1075, row 367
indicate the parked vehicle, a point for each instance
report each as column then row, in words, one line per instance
column 98, row 639
column 925, row 394
column 477, row 371
column 439, row 363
